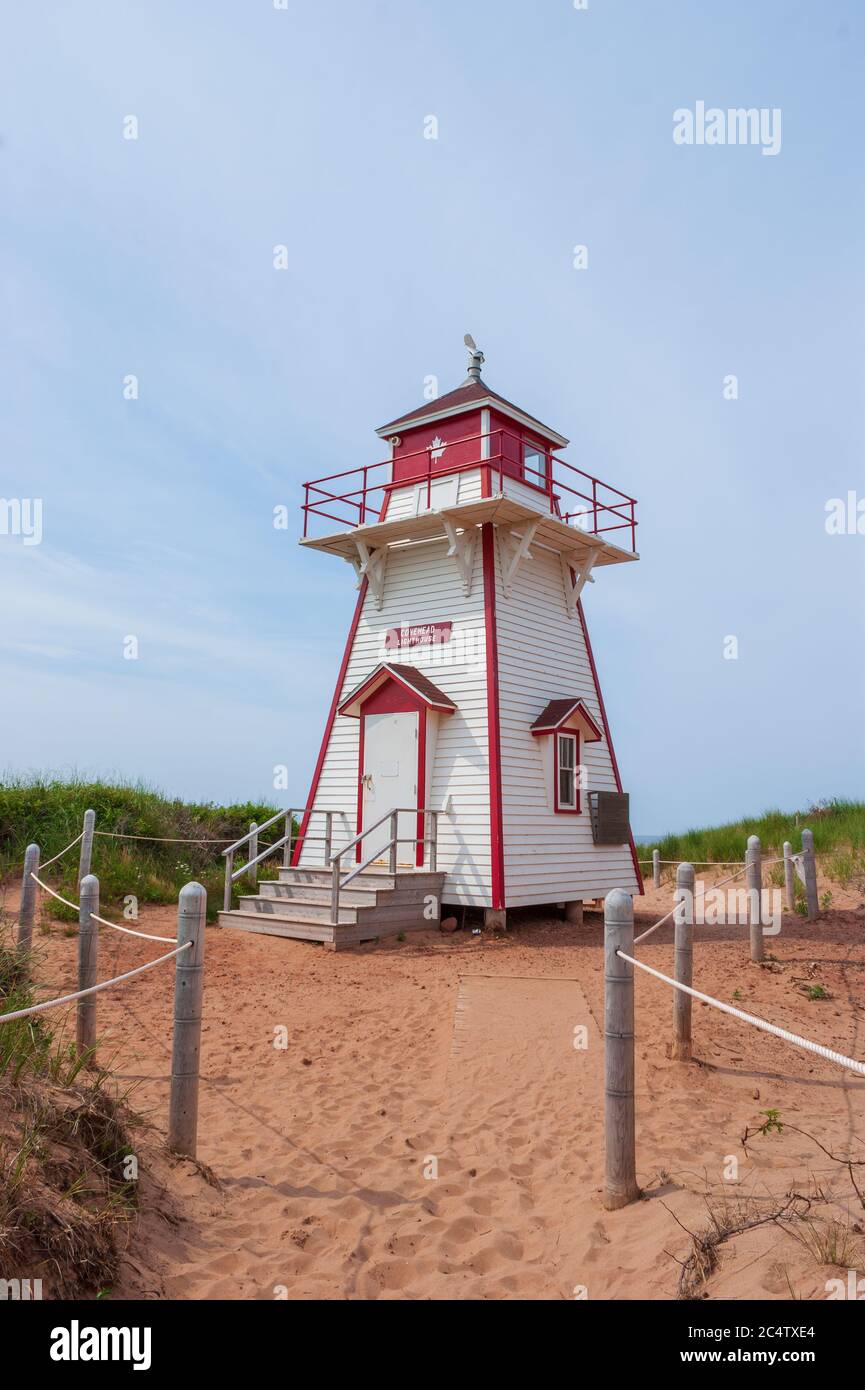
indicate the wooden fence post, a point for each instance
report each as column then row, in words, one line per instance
column 286, row 849
column 620, row 1174
column 86, row 851
column 27, row 906
column 252, row 871
column 186, row 1049
column 789, row 889
column 809, row 867
column 88, row 951
column 684, row 957
column 754, row 883
column 656, row 867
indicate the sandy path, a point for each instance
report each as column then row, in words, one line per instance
column 321, row 1148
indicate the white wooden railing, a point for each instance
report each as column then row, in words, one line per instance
column 284, row 843
column 429, row 840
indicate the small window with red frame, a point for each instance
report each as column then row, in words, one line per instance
column 567, row 786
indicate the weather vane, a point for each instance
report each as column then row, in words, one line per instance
column 476, row 358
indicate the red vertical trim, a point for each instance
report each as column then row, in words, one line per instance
column 295, row 858
column 497, row 863
column 359, row 821
column 607, row 731
column 421, row 785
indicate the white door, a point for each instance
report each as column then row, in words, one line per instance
column 389, row 780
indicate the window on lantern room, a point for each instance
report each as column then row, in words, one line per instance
column 534, row 465
column 566, row 772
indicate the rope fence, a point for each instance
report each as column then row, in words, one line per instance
column 620, row 1164
column 93, row 989
column 713, row 888
column 71, row 845
column 130, row 931
column 803, row 864
column 187, row 953
column 697, row 863
column 761, row 1023
column 103, row 921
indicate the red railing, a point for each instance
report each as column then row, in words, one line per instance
column 362, row 493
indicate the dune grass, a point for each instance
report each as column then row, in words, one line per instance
column 839, row 837
column 49, row 812
column 66, row 1188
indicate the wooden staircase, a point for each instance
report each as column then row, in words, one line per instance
column 376, row 903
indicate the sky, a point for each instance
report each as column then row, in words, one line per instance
column 263, row 124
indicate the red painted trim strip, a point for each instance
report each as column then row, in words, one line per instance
column 607, row 728
column 421, row 785
column 316, row 776
column 359, row 818
column 497, row 862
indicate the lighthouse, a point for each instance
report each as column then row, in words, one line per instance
column 467, row 757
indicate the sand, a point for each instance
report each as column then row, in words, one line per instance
column 430, row 1130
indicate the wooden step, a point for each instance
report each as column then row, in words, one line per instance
column 403, row 892
column 367, row 878
column 374, row 905
column 318, row 893
column 279, row 926
column 289, row 909
column 375, row 878
column 343, row 935
column 406, row 910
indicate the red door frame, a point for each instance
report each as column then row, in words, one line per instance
column 394, row 698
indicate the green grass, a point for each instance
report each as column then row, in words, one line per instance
column 838, row 827
column 64, row 1140
column 49, row 812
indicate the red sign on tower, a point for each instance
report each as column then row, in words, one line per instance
column 417, row 635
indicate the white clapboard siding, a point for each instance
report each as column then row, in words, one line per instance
column 549, row 857
column 531, row 496
column 404, row 500
column 422, row 585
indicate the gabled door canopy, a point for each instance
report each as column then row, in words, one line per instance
column 419, row 686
